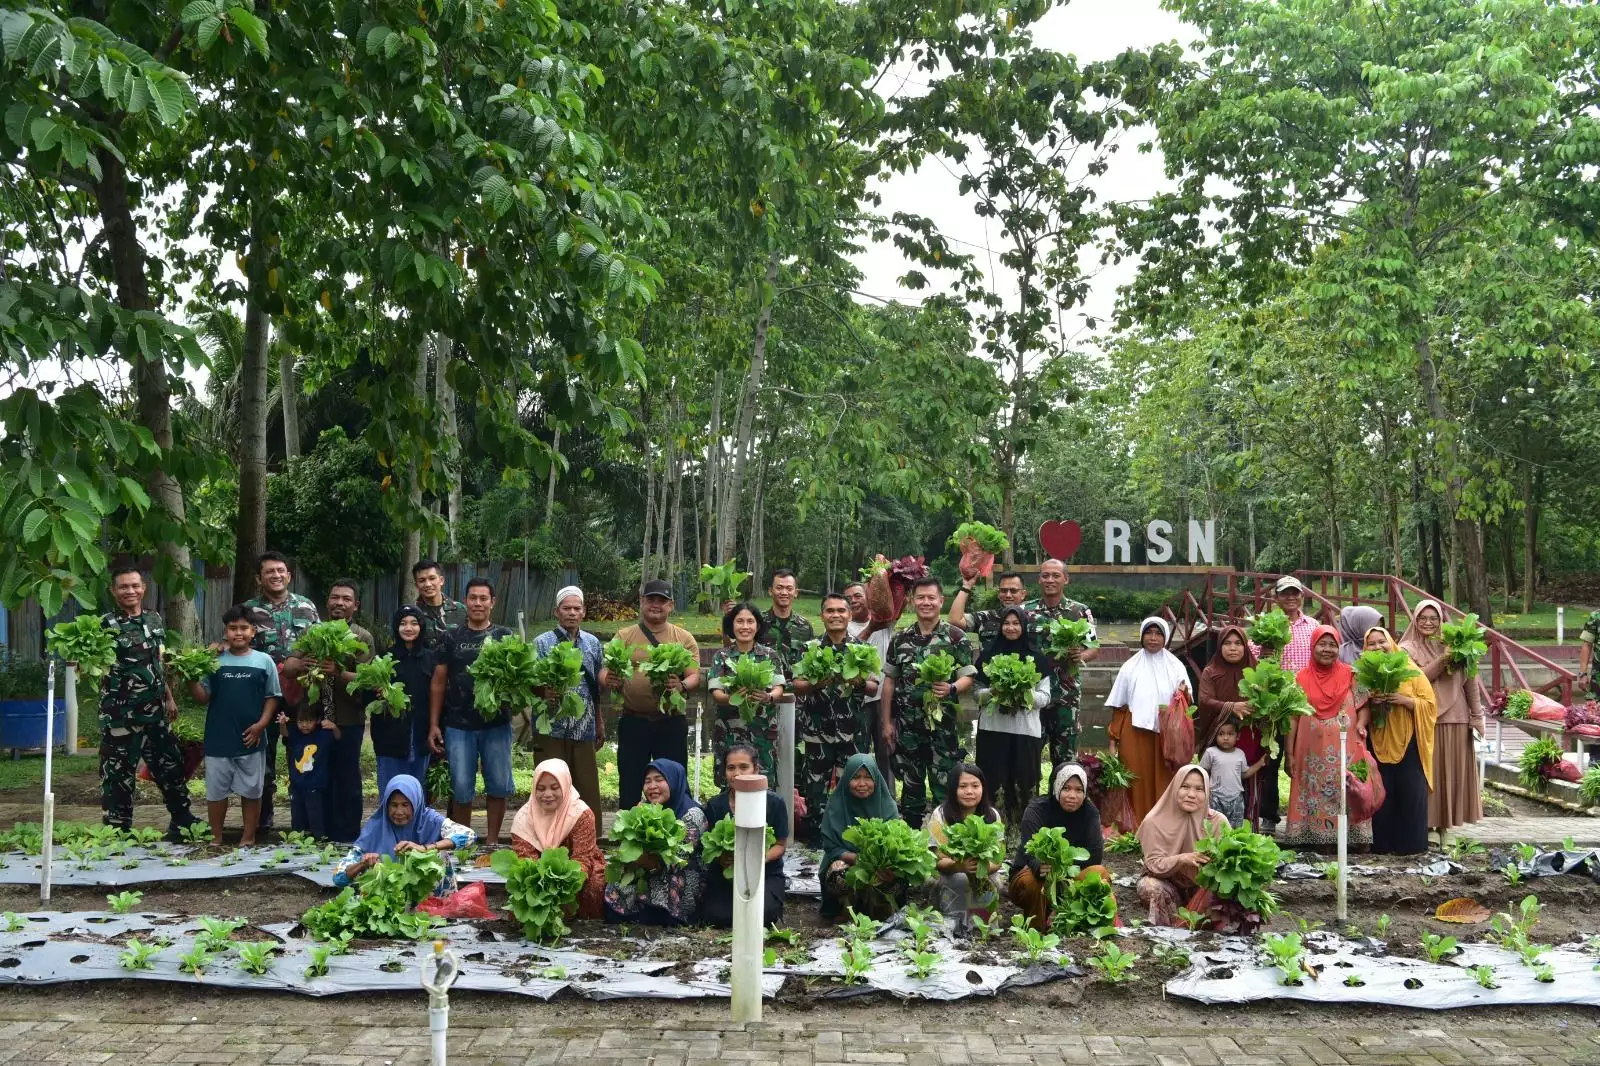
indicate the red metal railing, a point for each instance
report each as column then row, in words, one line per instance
column 1231, row 595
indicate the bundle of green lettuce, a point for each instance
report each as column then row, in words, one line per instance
column 87, row 642
column 377, row 676
column 933, row 669
column 505, row 674
column 1011, row 683
column 560, row 671
column 617, row 657
column 1275, row 700
column 1270, row 632
column 1466, row 643
column 664, row 662
column 1063, row 636
column 750, row 678
column 322, row 643
column 1382, row 673
column 718, row 841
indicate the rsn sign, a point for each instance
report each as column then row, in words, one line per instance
column 1158, row 548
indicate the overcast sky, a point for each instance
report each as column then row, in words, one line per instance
column 1091, row 30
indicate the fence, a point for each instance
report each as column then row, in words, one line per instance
column 529, row 595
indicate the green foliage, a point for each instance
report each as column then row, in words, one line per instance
column 1241, row 868
column 1052, row 849
column 197, row 958
column 1114, row 773
column 1384, row 921
column 663, row 662
column 1589, row 787
column 719, row 584
column 1192, row 920
column 1518, row 704
column 617, row 657
column 326, row 642
column 86, row 641
column 505, row 674
column 1270, row 632
column 1011, row 682
column 888, row 845
column 1275, row 700
column 379, row 903
column 936, row 667
column 377, row 675
column 327, row 511
column 14, row 922
column 1484, row 975
column 974, row 838
column 922, row 964
column 1063, row 636
column 750, row 676
column 540, row 892
column 1466, row 643
column 1114, row 965
column 819, row 664
column 987, row 538
column 1088, row 907
column 216, row 934
column 1532, row 764
column 560, row 671
column 1438, row 947
column 190, row 663
column 1382, row 673
column 718, row 841
column 641, row 830
column 1287, row 954
column 256, row 958
column 987, row 929
column 139, row 955
column 318, row 966
column 1125, row 844
column 1459, row 848
column 1361, row 769
column 858, row 960
column 124, row 902
column 1033, row 943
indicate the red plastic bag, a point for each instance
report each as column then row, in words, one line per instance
column 469, row 902
column 1177, row 731
column 1561, row 770
column 194, row 753
column 1363, row 798
column 975, row 562
column 294, row 693
column 1545, row 709
column 1116, row 812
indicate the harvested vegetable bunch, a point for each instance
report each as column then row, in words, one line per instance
column 505, row 674
column 1107, row 772
column 379, row 903
column 1382, row 673
column 861, row 661
column 988, row 539
column 1011, row 682
column 1361, row 770
column 378, row 676
column 617, row 657
column 718, row 841
column 819, row 664
column 1063, row 636
column 1054, row 851
column 719, row 584
column 888, row 844
column 326, row 642
column 664, row 662
column 1518, row 704
column 1270, row 632
column 1275, row 700
column 645, row 829
column 1241, row 868
column 560, row 671
column 1088, row 907
column 974, row 838
column 540, row 892
column 87, row 642
column 1466, row 643
column 1538, row 764
column 934, row 668
column 750, row 677
column 191, row 662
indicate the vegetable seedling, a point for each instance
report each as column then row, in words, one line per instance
column 922, row 964
column 1174, row 955
column 139, row 956
column 1543, row 973
column 1033, row 943
column 256, row 957
column 857, row 960
column 1286, row 951
column 1384, row 921
column 1512, row 873
column 861, row 927
column 196, row 959
column 786, row 936
column 197, row 833
column 14, row 922
column 1354, row 980
column 215, row 933
column 124, row 902
column 1526, row 852
column 987, row 928
column 1484, row 975
column 1458, row 848
column 1193, row 920
column 1124, row 844
column 319, row 960
column 1114, row 965
column 1438, row 947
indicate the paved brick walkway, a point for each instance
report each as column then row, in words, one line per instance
column 928, row 1039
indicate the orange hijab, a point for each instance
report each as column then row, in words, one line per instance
column 1326, row 686
column 546, row 831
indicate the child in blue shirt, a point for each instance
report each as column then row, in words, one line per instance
column 308, row 740
column 239, row 699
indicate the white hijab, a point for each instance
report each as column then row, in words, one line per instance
column 1148, row 680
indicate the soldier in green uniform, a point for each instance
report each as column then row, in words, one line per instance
column 987, row 623
column 786, row 632
column 833, row 718
column 440, row 614
column 745, row 632
column 922, row 740
column 1060, row 718
column 288, row 614
column 136, row 709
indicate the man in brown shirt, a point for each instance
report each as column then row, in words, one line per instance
column 645, row 732
column 348, row 710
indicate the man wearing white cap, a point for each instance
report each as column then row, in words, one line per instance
column 575, row 740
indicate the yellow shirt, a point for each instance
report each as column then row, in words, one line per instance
column 637, row 696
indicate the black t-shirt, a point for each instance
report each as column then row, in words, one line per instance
column 457, row 651
column 720, row 807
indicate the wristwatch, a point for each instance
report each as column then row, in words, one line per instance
column 967, row 588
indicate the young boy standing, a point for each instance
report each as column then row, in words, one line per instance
column 1229, row 770
column 308, row 741
column 239, row 699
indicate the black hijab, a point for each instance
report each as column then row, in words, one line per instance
column 1044, row 812
column 1022, row 647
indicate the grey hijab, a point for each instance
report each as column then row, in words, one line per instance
column 1353, row 625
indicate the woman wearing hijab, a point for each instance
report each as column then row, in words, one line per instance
column 1455, row 799
column 1168, row 837
column 716, row 899
column 1312, row 754
column 860, row 793
column 1010, row 738
column 963, row 889
column 668, row 895
column 401, row 741
column 1067, row 807
column 1219, row 701
column 1400, row 729
column 1147, row 682
column 555, row 817
column 403, row 823
column 1353, row 625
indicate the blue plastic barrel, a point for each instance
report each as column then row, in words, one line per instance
column 22, row 723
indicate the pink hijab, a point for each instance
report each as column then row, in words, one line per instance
column 546, row 831
column 1168, row 829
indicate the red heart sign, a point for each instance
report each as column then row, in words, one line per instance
column 1060, row 539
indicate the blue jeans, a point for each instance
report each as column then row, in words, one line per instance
column 344, row 801
column 466, row 748
column 392, row 766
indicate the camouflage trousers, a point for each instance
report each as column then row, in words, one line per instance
column 761, row 734
column 1060, row 725
column 924, row 755
column 829, row 739
column 121, row 747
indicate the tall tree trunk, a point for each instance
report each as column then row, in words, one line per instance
column 1396, row 536
column 1508, row 559
column 550, row 480
column 250, row 528
column 1424, row 576
column 1250, row 518
column 711, row 480
column 757, row 543
column 411, row 546
column 152, row 384
column 675, row 544
column 444, row 395
column 1466, row 540
column 647, row 565
column 749, row 401
column 1532, row 490
column 289, row 396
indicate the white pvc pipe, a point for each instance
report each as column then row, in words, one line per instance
column 439, row 970
column 785, row 765
column 439, row 1030
column 1344, row 820
column 72, row 709
column 46, row 852
column 749, row 895
column 1561, row 625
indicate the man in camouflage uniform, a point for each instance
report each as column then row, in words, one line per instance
column 136, row 709
column 987, row 623
column 924, row 750
column 1060, row 718
column 440, row 614
column 787, row 632
column 833, row 718
column 288, row 614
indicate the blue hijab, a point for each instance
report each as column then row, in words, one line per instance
column 679, row 799
column 379, row 835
